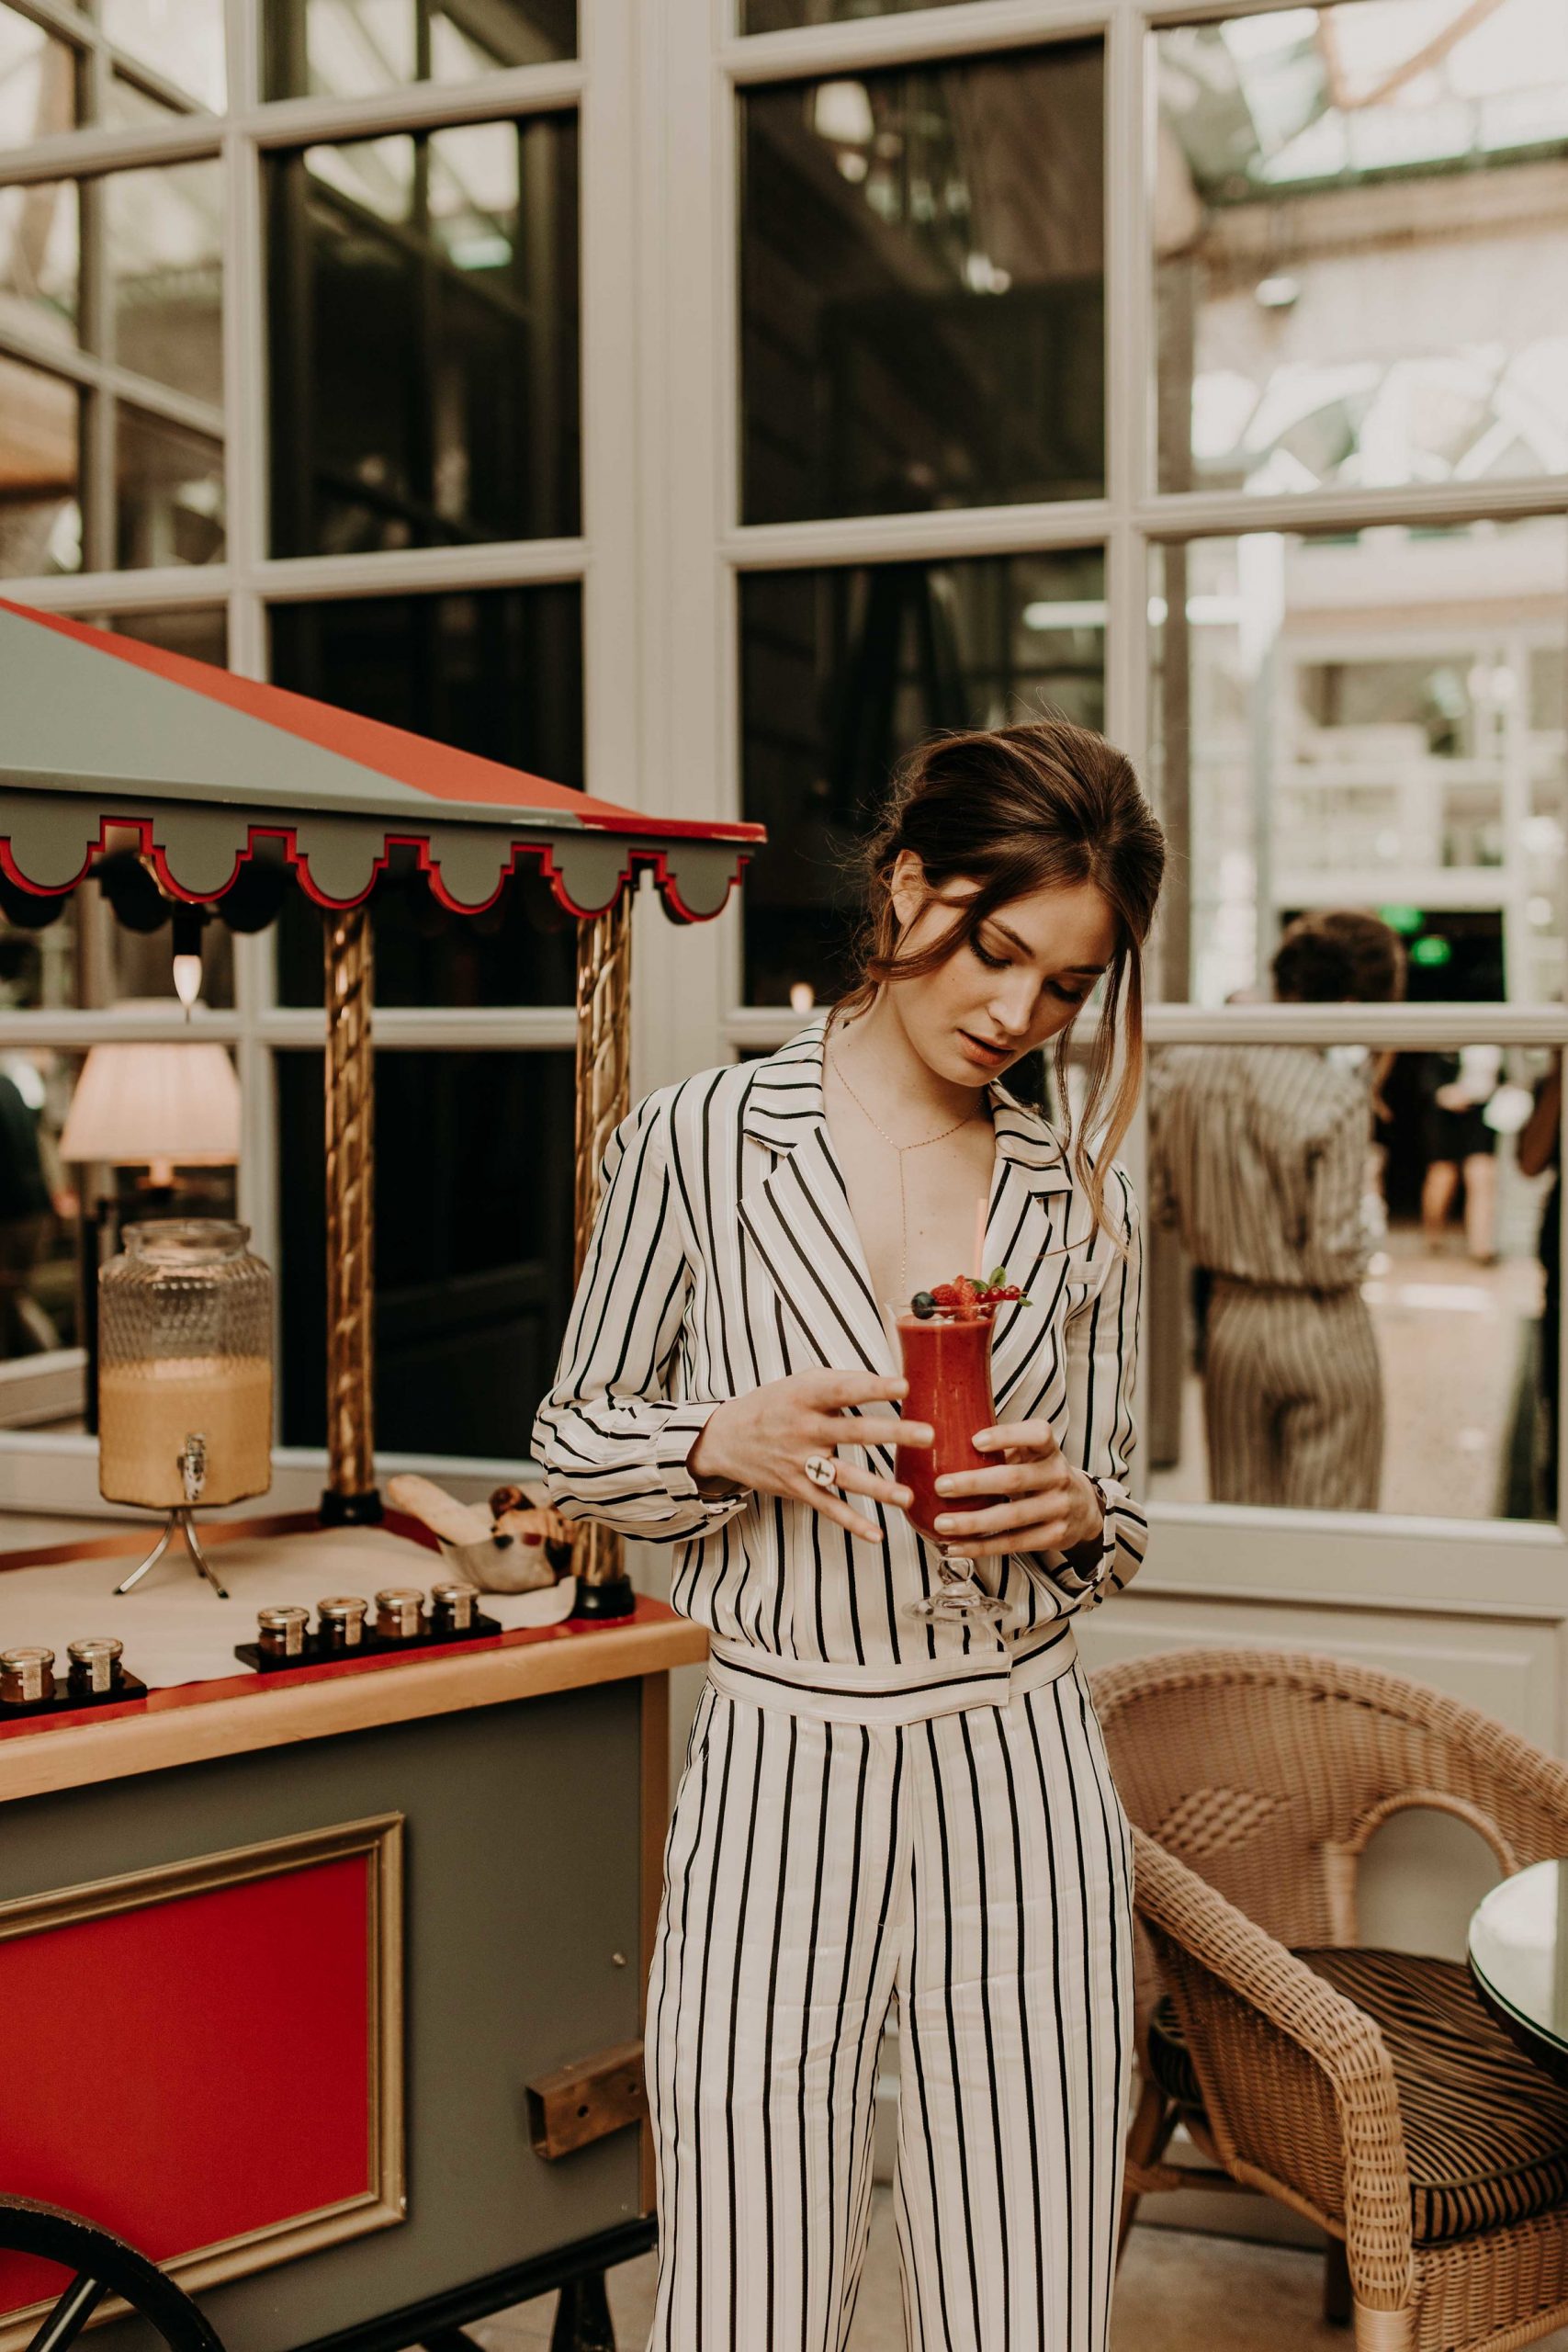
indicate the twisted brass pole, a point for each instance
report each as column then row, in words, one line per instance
column 603, row 1098
column 351, row 1497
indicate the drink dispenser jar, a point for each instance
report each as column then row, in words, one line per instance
column 185, row 1380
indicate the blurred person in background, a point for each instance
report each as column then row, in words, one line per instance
column 1259, row 1157
column 27, row 1222
column 1540, row 1148
column 1455, row 1134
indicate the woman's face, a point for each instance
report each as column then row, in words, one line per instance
column 1031, row 967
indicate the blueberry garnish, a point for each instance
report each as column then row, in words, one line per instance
column 924, row 1305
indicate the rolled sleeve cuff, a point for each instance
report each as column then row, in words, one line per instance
column 1087, row 1591
column 684, row 1424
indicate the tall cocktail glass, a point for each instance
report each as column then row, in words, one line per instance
column 947, row 1363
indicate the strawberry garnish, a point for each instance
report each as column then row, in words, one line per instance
column 967, row 1299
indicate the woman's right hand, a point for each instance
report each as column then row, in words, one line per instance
column 762, row 1442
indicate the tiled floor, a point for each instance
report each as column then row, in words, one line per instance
column 1177, row 2293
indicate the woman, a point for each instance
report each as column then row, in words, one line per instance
column 887, row 1811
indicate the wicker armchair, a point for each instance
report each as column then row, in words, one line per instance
column 1369, row 2092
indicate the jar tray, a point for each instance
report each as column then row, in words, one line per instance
column 373, row 1645
column 68, row 1702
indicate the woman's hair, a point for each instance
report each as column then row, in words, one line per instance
column 1339, row 952
column 1018, row 809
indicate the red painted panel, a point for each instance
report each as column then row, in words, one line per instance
column 146, row 2059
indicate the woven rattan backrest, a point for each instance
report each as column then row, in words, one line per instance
column 1266, row 1773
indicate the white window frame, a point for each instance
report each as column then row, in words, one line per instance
column 44, row 1471
column 1205, row 1553
column 660, row 557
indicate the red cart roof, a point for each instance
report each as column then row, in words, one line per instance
column 98, row 731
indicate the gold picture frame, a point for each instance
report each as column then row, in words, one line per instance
column 384, row 2201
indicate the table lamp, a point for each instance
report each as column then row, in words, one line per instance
column 156, row 1105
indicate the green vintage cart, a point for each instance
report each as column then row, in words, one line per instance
column 323, row 1990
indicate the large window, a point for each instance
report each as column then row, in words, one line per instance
column 290, row 378
column 466, row 363
column 1246, row 442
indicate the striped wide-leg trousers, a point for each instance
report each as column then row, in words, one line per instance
column 967, row 1874
column 1293, row 1398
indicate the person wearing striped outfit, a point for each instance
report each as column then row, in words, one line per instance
column 1258, row 1157
column 887, row 1811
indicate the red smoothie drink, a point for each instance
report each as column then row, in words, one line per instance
column 947, row 1362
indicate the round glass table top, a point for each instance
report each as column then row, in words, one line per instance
column 1518, row 1951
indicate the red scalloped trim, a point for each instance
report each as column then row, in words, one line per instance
column 656, row 861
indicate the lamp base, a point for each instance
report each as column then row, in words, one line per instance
column 178, row 1528
column 613, row 1596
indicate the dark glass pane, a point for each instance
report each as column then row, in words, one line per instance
column 39, row 1283
column 843, row 671
column 473, row 1246
column 163, row 231
column 41, row 258
column 201, row 632
column 1350, row 721
column 350, row 48
column 1378, row 1222
column 922, row 286
column 424, row 339
column 41, row 87
column 498, row 672
column 40, row 465
column 779, row 16
column 1359, row 269
column 181, row 41
column 169, row 492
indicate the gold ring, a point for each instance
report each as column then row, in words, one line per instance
column 820, row 1469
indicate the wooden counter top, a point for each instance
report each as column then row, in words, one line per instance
column 196, row 1720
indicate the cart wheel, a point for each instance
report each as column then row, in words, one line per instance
column 100, row 2264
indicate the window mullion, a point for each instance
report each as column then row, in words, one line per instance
column 860, row 44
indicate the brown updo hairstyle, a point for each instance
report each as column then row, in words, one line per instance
column 1017, row 810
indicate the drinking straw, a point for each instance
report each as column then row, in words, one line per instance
column 980, row 1207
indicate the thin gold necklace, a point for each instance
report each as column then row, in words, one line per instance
column 923, row 1143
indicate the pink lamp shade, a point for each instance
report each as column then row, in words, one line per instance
column 158, row 1106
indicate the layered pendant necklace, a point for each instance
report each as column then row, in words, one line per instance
column 902, row 1151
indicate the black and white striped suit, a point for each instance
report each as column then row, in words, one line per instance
column 879, row 1815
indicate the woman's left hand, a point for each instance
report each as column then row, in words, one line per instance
column 1042, row 1503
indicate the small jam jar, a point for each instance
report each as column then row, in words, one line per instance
column 451, row 1608
column 95, row 1665
column 340, row 1623
column 400, row 1613
column 282, row 1630
column 26, row 1677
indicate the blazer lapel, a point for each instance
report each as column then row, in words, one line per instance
column 799, row 1217
column 799, row 1220
column 1026, row 1231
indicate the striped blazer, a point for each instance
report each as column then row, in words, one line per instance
column 725, row 1255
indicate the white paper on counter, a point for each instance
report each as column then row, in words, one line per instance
column 175, row 1627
